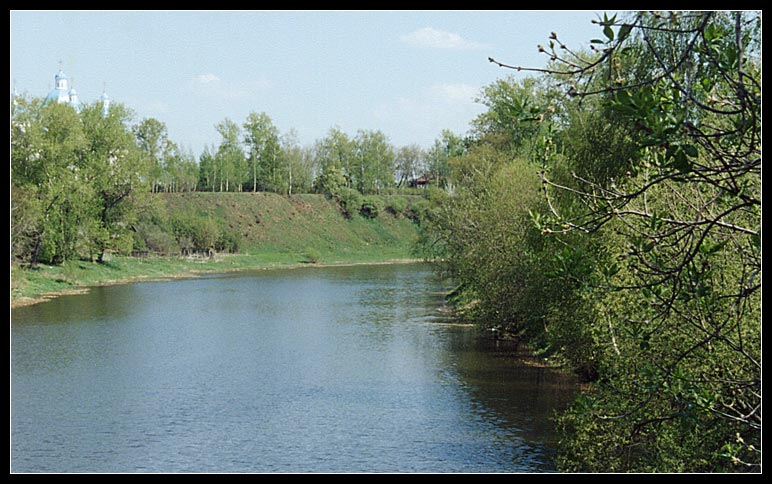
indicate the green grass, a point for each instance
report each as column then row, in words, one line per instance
column 274, row 230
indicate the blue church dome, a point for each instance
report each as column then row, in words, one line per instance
column 63, row 93
column 74, row 102
column 105, row 103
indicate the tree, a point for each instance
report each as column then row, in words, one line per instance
column 680, row 385
column 516, row 111
column 153, row 140
column 297, row 163
column 114, row 173
column 207, row 169
column 47, row 147
column 445, row 147
column 229, row 158
column 333, row 154
column 180, row 169
column 371, row 168
column 262, row 141
column 408, row 163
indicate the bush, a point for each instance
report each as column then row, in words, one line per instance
column 396, row 205
column 227, row 241
column 153, row 238
column 419, row 210
column 312, row 256
column 349, row 201
column 199, row 233
column 371, row 206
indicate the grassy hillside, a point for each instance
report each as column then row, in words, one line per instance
column 268, row 222
column 270, row 230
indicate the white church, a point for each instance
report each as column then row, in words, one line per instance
column 64, row 94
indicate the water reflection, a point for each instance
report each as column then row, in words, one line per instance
column 311, row 370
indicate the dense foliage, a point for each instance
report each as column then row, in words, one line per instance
column 619, row 192
column 80, row 179
column 73, row 176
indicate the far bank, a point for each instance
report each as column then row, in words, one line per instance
column 267, row 229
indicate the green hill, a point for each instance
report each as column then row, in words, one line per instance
column 270, row 223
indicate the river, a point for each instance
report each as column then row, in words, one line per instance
column 311, row 370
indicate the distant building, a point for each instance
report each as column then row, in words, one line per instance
column 105, row 103
column 420, row 182
column 64, row 94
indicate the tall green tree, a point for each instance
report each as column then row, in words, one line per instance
column 229, row 157
column 207, row 169
column 153, row 140
column 372, row 165
column 297, row 164
column 263, row 152
column 517, row 109
column 47, row 169
column 333, row 154
column 445, row 147
column 180, row 169
column 114, row 173
column 408, row 163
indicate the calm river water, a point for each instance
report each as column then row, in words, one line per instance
column 347, row 369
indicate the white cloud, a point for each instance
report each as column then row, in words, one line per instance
column 206, row 78
column 438, row 39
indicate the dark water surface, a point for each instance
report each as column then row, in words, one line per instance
column 348, row 369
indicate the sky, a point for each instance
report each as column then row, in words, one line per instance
column 407, row 73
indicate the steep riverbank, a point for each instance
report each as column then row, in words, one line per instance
column 273, row 231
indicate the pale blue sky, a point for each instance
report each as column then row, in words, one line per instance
column 408, row 73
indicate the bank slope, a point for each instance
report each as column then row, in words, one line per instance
column 272, row 223
column 271, row 230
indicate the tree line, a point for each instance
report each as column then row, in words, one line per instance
column 619, row 193
column 78, row 179
column 255, row 156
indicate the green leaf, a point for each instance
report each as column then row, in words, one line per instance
column 707, row 247
column 681, row 162
column 624, row 31
column 610, row 270
column 608, row 32
column 690, row 150
column 756, row 240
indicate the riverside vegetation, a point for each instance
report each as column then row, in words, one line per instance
column 619, row 191
column 605, row 209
